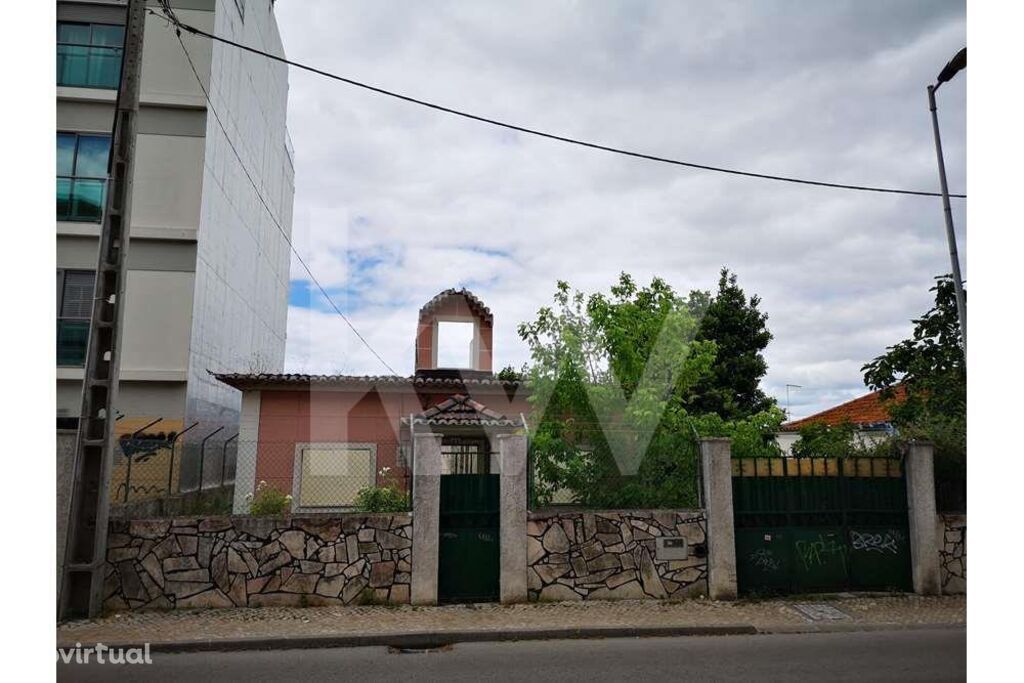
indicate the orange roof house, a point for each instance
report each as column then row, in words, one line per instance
column 867, row 411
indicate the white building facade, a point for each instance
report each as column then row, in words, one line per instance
column 208, row 266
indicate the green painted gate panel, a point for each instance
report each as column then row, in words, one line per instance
column 820, row 562
column 821, row 525
column 762, row 559
column 469, row 552
column 880, row 558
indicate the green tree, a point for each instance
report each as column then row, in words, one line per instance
column 930, row 368
column 739, row 330
column 608, row 377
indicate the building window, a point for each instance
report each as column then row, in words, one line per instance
column 330, row 475
column 74, row 309
column 89, row 55
column 81, row 176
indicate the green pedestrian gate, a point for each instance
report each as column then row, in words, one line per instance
column 468, row 556
column 820, row 524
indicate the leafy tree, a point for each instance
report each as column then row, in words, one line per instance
column 739, row 329
column 608, row 379
column 930, row 368
column 510, row 374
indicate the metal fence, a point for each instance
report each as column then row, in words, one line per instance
column 317, row 477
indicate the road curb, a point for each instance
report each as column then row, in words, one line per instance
column 416, row 640
column 423, row 640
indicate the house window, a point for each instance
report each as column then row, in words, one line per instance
column 74, row 309
column 89, row 55
column 81, row 176
column 330, row 475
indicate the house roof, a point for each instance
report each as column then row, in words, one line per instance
column 461, row 410
column 475, row 304
column 865, row 411
column 245, row 380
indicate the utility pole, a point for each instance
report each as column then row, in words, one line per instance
column 80, row 592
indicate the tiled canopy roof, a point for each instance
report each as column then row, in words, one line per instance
column 866, row 410
column 475, row 304
column 461, row 410
column 241, row 380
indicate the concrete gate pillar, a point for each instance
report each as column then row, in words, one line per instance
column 924, row 541
column 716, row 467
column 426, row 510
column 512, row 580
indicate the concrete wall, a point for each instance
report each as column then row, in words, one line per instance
column 614, row 555
column 253, row 562
column 952, row 534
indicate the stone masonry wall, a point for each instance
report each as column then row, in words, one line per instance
column 253, row 561
column 611, row 555
column 953, row 553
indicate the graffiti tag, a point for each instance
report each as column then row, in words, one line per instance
column 142, row 447
column 764, row 559
column 888, row 542
column 816, row 553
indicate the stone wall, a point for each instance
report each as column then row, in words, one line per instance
column 254, row 561
column 611, row 555
column 953, row 552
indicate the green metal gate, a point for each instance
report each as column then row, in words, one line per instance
column 468, row 558
column 820, row 524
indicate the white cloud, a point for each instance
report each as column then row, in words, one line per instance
column 395, row 202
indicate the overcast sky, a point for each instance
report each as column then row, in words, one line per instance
column 394, row 202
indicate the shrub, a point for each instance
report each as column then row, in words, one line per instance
column 385, row 498
column 268, row 501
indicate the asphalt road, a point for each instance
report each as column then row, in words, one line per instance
column 921, row 655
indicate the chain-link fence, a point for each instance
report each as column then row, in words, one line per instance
column 271, row 477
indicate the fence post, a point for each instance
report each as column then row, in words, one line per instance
column 426, row 511
column 924, row 544
column 512, row 582
column 246, row 451
column 716, row 465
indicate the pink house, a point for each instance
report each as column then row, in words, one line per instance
column 321, row 438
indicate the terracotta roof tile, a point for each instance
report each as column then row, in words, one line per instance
column 247, row 380
column 475, row 304
column 869, row 409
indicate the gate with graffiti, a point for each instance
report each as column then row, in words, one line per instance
column 820, row 524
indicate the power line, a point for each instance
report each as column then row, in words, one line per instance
column 552, row 136
column 259, row 194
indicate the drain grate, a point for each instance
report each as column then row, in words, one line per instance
column 419, row 649
column 819, row 612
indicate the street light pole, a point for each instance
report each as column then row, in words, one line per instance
column 956, row 64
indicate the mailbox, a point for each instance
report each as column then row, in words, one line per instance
column 669, row 548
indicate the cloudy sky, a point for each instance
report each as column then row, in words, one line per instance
column 395, row 202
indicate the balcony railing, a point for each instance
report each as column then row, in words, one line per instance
column 88, row 66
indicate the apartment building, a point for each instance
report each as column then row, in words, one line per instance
column 207, row 283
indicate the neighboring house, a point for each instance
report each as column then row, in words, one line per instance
column 321, row 438
column 208, row 268
column 868, row 414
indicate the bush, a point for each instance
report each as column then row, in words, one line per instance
column 268, row 501
column 386, row 498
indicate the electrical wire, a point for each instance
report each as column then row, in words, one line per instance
column 551, row 136
column 259, row 194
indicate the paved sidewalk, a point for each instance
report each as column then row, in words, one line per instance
column 304, row 627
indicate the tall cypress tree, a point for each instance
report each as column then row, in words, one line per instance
column 738, row 327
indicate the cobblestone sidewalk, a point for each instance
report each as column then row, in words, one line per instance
column 288, row 622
